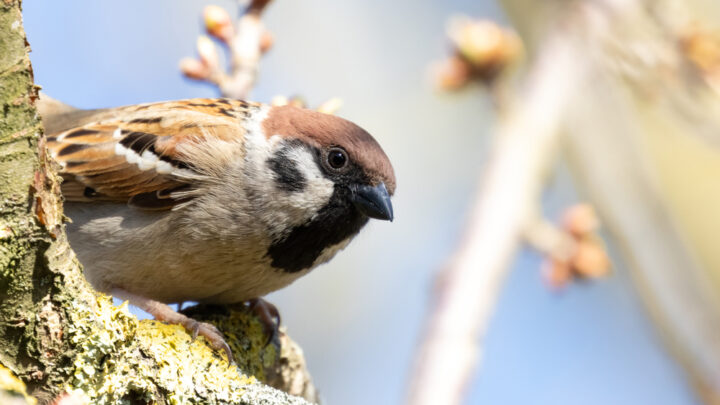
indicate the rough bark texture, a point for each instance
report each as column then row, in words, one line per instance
column 57, row 335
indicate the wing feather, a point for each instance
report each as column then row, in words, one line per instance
column 141, row 154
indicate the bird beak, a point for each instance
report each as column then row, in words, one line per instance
column 373, row 201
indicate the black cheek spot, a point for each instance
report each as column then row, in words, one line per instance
column 287, row 175
column 334, row 223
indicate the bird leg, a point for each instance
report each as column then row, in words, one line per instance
column 164, row 313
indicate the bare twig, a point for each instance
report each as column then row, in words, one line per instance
column 525, row 144
column 247, row 41
column 483, row 52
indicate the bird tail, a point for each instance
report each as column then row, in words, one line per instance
column 48, row 106
column 57, row 116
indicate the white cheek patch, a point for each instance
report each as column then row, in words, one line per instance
column 284, row 208
column 317, row 188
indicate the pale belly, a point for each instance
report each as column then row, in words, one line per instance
column 145, row 257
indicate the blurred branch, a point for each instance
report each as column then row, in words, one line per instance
column 525, row 144
column 246, row 41
column 610, row 76
column 643, row 81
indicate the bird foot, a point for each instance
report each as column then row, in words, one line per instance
column 210, row 332
column 164, row 313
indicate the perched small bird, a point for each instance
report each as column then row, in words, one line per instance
column 211, row 200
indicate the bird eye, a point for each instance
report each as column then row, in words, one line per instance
column 337, row 158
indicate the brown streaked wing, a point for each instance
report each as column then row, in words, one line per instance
column 95, row 168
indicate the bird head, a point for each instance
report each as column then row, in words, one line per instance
column 343, row 153
column 332, row 168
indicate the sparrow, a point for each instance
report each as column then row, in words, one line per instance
column 216, row 201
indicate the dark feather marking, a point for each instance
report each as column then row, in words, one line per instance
column 138, row 141
column 72, row 148
column 334, row 223
column 166, row 192
column 146, row 120
column 177, row 163
column 201, row 104
column 182, row 165
column 90, row 192
column 81, row 132
column 223, row 101
column 51, row 138
column 70, row 165
column 287, row 175
column 227, row 112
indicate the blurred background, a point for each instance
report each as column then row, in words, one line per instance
column 360, row 317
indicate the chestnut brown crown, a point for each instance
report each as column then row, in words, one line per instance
column 326, row 131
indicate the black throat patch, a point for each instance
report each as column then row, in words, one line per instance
column 334, row 223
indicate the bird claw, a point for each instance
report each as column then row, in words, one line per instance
column 269, row 317
column 211, row 333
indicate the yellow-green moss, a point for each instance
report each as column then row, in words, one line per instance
column 120, row 359
column 246, row 337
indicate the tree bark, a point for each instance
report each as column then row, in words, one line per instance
column 57, row 334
